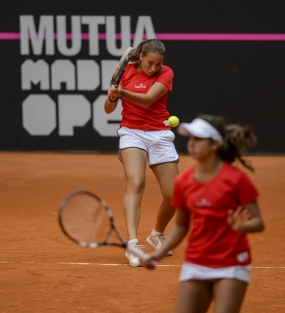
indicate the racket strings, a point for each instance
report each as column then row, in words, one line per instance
column 85, row 219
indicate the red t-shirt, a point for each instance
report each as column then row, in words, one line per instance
column 137, row 116
column 212, row 242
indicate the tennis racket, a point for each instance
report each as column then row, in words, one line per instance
column 88, row 221
column 120, row 68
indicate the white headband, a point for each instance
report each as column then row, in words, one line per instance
column 201, row 129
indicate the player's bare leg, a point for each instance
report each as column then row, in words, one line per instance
column 165, row 175
column 193, row 296
column 134, row 161
column 228, row 294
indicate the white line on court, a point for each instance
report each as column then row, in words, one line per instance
column 106, row 264
column 114, row 264
column 268, row 266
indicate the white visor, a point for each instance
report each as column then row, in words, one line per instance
column 201, row 129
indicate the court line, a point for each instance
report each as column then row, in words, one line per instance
column 120, row 264
column 268, row 267
column 111, row 264
column 82, row 263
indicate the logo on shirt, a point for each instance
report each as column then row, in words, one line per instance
column 242, row 257
column 203, row 203
column 140, row 86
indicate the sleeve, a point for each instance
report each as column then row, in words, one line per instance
column 246, row 190
column 177, row 196
column 166, row 77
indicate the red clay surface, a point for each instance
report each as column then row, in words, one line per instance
column 43, row 271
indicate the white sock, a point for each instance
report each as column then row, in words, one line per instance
column 155, row 233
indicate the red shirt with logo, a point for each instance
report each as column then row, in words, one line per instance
column 137, row 116
column 212, row 242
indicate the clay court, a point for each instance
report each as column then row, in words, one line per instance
column 43, row 271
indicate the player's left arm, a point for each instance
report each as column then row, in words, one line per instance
column 156, row 91
column 246, row 219
column 110, row 102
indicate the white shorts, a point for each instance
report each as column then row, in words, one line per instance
column 193, row 271
column 158, row 145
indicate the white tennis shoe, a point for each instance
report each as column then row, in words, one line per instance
column 133, row 259
column 157, row 241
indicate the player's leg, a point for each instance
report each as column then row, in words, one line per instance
column 134, row 162
column 163, row 160
column 193, row 296
column 228, row 295
column 165, row 175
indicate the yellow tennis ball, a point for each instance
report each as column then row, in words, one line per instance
column 173, row 121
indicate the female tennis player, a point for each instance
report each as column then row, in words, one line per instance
column 220, row 201
column 145, row 136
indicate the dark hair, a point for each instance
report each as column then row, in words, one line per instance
column 237, row 139
column 150, row 45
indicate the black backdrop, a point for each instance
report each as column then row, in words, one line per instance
column 242, row 80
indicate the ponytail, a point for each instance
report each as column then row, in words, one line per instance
column 236, row 140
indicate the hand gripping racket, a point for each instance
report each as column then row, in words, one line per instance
column 120, row 68
column 87, row 220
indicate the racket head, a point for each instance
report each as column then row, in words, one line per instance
column 121, row 66
column 85, row 219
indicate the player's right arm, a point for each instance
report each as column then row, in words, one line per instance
column 176, row 235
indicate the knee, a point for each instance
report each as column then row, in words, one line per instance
column 135, row 186
column 167, row 197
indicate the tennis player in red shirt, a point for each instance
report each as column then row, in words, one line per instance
column 219, row 201
column 145, row 136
